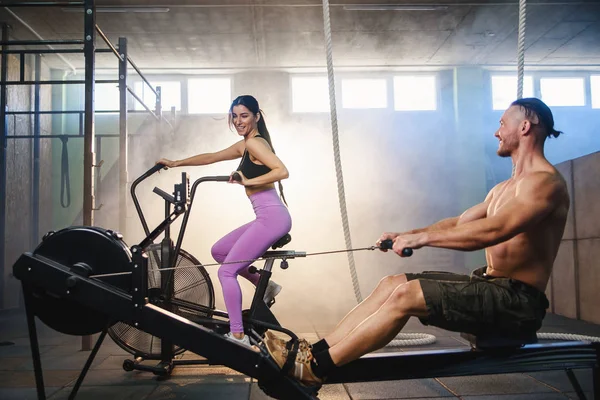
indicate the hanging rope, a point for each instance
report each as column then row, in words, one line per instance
column 403, row 339
column 336, row 150
column 65, row 179
column 521, row 47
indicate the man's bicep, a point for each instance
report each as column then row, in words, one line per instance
column 474, row 213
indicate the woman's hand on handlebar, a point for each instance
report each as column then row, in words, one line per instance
column 167, row 163
column 238, row 177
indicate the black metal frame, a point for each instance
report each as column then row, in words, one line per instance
column 258, row 318
column 38, row 272
column 87, row 116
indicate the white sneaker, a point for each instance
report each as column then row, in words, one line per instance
column 273, row 290
column 245, row 340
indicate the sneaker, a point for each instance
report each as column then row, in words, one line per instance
column 281, row 343
column 245, row 340
column 302, row 369
column 273, row 290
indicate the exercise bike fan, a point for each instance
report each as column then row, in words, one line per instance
column 192, row 285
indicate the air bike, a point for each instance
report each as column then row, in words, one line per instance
column 156, row 301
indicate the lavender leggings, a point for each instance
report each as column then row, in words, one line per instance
column 247, row 242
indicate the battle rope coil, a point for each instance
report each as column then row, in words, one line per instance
column 402, row 339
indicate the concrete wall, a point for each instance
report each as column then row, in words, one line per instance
column 19, row 185
column 573, row 289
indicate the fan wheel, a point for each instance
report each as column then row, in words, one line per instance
column 192, row 285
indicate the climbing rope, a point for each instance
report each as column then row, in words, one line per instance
column 403, row 339
column 336, row 150
column 521, row 47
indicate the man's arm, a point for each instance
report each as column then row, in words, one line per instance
column 536, row 196
column 472, row 214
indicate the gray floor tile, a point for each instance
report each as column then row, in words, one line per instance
column 73, row 361
column 111, row 377
column 12, row 363
column 397, row 389
column 573, row 395
column 225, row 391
column 26, row 379
column 24, row 393
column 494, row 384
column 106, row 392
column 327, row 392
column 560, row 381
column 536, row 396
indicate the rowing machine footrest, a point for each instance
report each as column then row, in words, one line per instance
column 497, row 341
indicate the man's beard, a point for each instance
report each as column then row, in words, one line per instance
column 505, row 149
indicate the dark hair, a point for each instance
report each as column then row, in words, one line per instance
column 252, row 104
column 532, row 106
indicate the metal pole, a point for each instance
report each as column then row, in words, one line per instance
column 88, row 140
column 35, row 202
column 3, row 145
column 123, row 174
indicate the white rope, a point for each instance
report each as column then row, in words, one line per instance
column 521, row 47
column 336, row 149
column 567, row 336
column 412, row 339
column 403, row 339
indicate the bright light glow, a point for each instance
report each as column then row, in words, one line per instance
column 415, row 93
column 310, row 94
column 170, row 95
column 106, row 97
column 504, row 90
column 364, row 93
column 209, row 95
column 595, row 81
column 563, row 91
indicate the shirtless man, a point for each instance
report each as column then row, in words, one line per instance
column 520, row 225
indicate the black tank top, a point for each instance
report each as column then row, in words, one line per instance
column 250, row 169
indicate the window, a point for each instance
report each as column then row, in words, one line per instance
column 563, row 91
column 364, row 93
column 504, row 90
column 106, row 97
column 209, row 95
column 170, row 95
column 415, row 93
column 310, row 94
column 595, row 81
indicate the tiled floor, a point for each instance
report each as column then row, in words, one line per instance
column 62, row 360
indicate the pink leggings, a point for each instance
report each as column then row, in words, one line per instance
column 247, row 242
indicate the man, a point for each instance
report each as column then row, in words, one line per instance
column 520, row 225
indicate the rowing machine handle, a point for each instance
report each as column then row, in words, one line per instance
column 389, row 243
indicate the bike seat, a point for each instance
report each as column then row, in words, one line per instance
column 282, row 242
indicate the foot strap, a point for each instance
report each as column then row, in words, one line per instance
column 292, row 351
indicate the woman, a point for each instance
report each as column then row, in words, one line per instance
column 259, row 169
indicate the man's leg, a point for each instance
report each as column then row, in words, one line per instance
column 382, row 326
column 366, row 308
